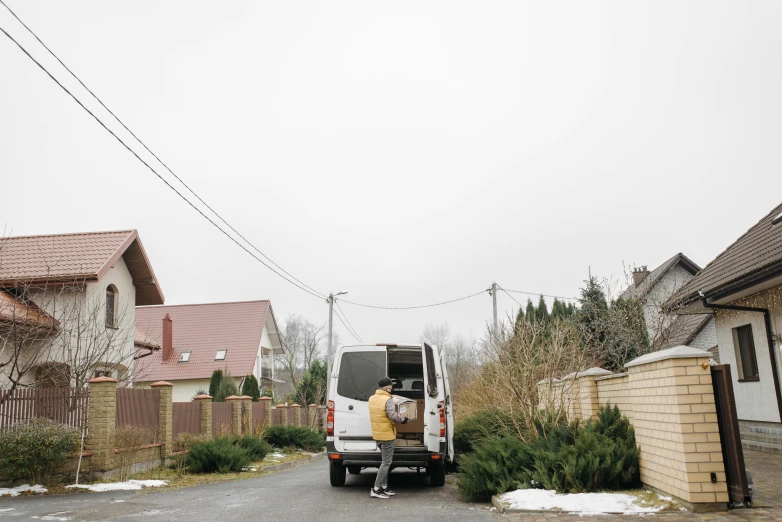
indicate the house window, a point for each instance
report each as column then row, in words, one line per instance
column 184, row 357
column 111, row 306
column 220, row 355
column 745, row 353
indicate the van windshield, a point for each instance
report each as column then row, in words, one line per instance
column 359, row 373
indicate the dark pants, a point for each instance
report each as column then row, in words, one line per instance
column 387, row 452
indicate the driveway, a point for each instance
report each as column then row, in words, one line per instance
column 301, row 494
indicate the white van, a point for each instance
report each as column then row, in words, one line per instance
column 417, row 372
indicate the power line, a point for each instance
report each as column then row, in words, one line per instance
column 320, row 294
column 350, row 325
column 152, row 169
column 355, row 336
column 414, row 307
column 514, row 299
column 544, row 295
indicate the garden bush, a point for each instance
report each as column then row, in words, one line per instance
column 598, row 455
column 297, row 436
column 476, row 429
column 256, row 448
column 221, row 455
column 36, row 449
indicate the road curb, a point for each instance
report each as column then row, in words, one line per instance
column 295, row 463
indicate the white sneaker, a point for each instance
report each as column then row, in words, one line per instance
column 378, row 493
column 389, row 492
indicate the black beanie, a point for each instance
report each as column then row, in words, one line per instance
column 385, row 381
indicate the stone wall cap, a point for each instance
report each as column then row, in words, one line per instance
column 591, row 372
column 544, row 381
column 282, row 405
column 246, row 397
column 232, row 398
column 295, row 405
column 677, row 352
column 98, row 380
column 313, row 404
column 612, row 376
column 264, row 398
column 202, row 397
column 160, row 383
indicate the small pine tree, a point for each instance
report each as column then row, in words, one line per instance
column 226, row 388
column 250, row 387
column 542, row 311
column 519, row 317
column 531, row 313
column 214, row 383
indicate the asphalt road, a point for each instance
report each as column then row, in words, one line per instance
column 300, row 494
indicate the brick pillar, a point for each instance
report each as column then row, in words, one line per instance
column 676, row 427
column 322, row 416
column 101, row 422
column 284, row 414
column 296, row 414
column 247, row 414
column 587, row 389
column 236, row 414
column 206, row 413
column 312, row 416
column 267, row 411
column 165, row 416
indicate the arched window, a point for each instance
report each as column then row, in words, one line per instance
column 111, row 306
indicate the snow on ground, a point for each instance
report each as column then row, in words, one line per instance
column 117, row 486
column 276, row 455
column 579, row 503
column 22, row 489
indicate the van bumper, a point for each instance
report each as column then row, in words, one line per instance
column 404, row 458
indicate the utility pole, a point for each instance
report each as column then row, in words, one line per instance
column 330, row 301
column 494, row 303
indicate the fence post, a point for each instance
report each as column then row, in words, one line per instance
column 322, row 415
column 247, row 414
column 284, row 414
column 587, row 388
column 236, row 414
column 101, row 422
column 312, row 416
column 267, row 411
column 165, row 416
column 296, row 414
column 206, row 413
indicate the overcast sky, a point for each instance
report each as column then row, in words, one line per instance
column 406, row 152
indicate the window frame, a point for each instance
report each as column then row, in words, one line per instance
column 182, row 354
column 111, row 309
column 744, row 332
column 225, row 353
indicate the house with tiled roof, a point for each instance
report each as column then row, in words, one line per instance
column 240, row 338
column 742, row 289
column 666, row 329
column 67, row 307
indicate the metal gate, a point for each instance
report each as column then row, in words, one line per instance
column 732, row 453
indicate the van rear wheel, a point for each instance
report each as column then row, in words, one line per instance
column 354, row 470
column 336, row 474
column 437, row 476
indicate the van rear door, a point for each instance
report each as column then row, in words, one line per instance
column 359, row 370
column 432, row 394
column 448, row 408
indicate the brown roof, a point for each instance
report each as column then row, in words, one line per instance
column 202, row 329
column 141, row 340
column 655, row 275
column 753, row 258
column 85, row 257
column 684, row 329
column 25, row 313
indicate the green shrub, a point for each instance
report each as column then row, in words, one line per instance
column 222, row 455
column 250, row 387
column 298, row 436
column 599, row 455
column 256, row 448
column 476, row 429
column 36, row 449
column 495, row 466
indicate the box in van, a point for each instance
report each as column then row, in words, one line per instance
column 419, row 375
column 406, row 407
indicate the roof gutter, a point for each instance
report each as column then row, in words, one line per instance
column 769, row 339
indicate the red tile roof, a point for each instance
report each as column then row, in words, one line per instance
column 64, row 258
column 141, row 340
column 25, row 313
column 202, row 329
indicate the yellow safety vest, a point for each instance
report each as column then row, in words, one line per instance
column 382, row 427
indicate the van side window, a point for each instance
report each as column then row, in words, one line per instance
column 359, row 373
column 431, row 372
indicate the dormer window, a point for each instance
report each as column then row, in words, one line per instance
column 111, row 306
column 220, row 355
column 184, row 357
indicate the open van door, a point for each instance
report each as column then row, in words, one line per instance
column 432, row 396
column 448, row 410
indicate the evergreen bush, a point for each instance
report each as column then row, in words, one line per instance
column 295, row 436
column 256, row 448
column 476, row 429
column 36, row 449
column 497, row 465
column 221, row 455
column 250, row 387
column 226, row 388
column 214, row 382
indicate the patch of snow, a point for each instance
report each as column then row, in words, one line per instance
column 14, row 492
column 277, row 455
column 575, row 503
column 246, row 468
column 666, row 499
column 130, row 485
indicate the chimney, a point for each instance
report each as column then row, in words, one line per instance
column 168, row 343
column 639, row 274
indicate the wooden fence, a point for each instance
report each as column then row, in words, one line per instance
column 186, row 418
column 222, row 416
column 63, row 405
column 138, row 407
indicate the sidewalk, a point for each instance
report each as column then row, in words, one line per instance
column 766, row 469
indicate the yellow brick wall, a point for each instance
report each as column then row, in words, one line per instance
column 613, row 391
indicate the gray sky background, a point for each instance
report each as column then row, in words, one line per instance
column 407, row 152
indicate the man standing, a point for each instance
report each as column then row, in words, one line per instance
column 382, row 416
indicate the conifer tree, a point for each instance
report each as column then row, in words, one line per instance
column 531, row 313
column 250, row 387
column 214, row 383
column 542, row 312
column 519, row 318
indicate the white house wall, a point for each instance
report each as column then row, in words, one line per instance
column 185, row 390
column 755, row 401
column 660, row 292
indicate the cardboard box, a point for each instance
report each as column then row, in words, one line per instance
column 406, row 407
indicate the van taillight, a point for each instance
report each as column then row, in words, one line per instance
column 330, row 419
column 442, row 418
